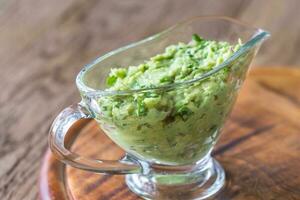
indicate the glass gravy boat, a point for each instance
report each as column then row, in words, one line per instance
column 166, row 158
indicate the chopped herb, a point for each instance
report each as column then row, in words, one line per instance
column 141, row 108
column 167, row 79
column 111, row 80
column 150, row 95
column 184, row 113
column 197, row 38
column 121, row 73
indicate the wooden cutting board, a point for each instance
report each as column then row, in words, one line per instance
column 259, row 148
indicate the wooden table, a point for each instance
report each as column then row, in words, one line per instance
column 259, row 149
column 45, row 43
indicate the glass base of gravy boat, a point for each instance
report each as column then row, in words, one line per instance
column 153, row 175
column 198, row 181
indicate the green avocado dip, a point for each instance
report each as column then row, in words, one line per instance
column 171, row 125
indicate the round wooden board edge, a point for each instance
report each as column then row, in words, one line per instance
column 51, row 165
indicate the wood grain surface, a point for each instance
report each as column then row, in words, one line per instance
column 259, row 148
column 45, row 43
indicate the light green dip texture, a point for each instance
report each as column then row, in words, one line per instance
column 178, row 126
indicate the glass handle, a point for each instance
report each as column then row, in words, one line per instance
column 58, row 139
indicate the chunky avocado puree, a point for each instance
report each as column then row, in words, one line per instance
column 176, row 125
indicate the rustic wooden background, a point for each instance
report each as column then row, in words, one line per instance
column 45, row 43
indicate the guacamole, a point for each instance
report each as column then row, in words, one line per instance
column 171, row 125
